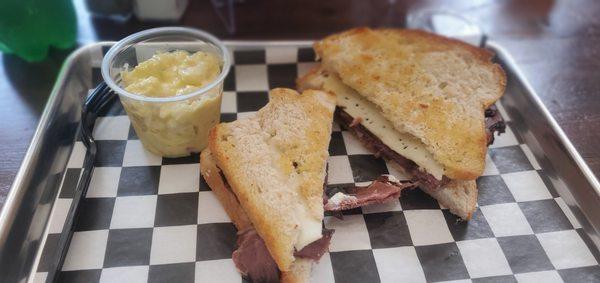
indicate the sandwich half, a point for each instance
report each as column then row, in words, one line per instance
column 268, row 171
column 417, row 99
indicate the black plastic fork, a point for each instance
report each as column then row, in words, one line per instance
column 94, row 103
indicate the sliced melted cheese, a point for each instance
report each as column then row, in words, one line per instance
column 310, row 228
column 402, row 143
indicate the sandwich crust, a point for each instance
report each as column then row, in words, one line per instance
column 431, row 87
column 212, row 176
column 460, row 197
column 275, row 164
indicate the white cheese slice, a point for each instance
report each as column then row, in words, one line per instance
column 310, row 228
column 403, row 143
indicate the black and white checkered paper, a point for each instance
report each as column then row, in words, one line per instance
column 152, row 219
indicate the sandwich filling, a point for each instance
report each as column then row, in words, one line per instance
column 494, row 124
column 371, row 141
column 383, row 189
column 310, row 228
column 253, row 260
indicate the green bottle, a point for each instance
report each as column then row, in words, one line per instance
column 29, row 27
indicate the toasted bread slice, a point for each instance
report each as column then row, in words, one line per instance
column 429, row 86
column 275, row 164
column 300, row 269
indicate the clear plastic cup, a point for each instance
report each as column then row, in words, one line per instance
column 173, row 126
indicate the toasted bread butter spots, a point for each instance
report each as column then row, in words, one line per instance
column 433, row 88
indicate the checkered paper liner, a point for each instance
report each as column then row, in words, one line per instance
column 152, row 219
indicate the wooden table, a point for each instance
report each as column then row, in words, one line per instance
column 556, row 43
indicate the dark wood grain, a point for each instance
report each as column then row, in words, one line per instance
column 555, row 43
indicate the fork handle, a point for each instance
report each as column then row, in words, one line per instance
column 72, row 216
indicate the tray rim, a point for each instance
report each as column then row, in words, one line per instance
column 591, row 225
column 583, row 166
column 23, row 176
column 33, row 148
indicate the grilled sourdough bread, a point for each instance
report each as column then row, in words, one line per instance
column 274, row 165
column 431, row 87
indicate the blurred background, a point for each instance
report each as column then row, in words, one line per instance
column 555, row 42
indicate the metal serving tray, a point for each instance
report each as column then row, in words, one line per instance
column 24, row 218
